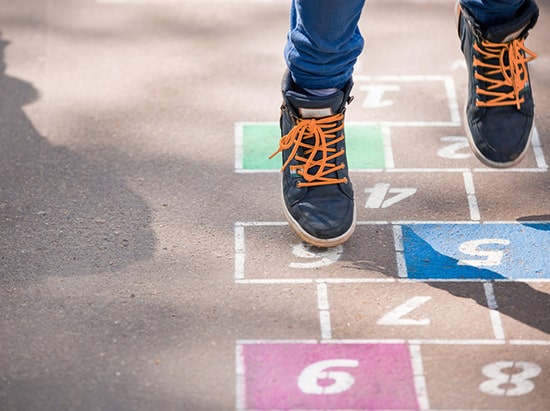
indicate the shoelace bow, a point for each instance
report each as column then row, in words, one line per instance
column 318, row 139
column 510, row 72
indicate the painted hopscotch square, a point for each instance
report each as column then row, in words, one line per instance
column 270, row 251
column 492, row 377
column 313, row 376
column 488, row 251
column 255, row 142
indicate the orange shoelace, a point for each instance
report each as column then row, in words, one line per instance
column 318, row 139
column 509, row 73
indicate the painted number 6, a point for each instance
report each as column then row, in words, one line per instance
column 338, row 381
column 509, row 384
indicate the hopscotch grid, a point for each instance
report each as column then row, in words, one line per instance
column 419, row 380
column 401, row 275
column 541, row 165
column 321, row 284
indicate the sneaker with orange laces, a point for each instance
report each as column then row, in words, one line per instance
column 499, row 108
column 316, row 189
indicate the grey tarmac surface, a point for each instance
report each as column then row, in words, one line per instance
column 145, row 263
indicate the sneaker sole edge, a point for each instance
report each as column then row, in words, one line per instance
column 479, row 155
column 315, row 241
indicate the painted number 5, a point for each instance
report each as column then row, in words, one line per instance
column 334, row 382
column 481, row 248
column 509, row 383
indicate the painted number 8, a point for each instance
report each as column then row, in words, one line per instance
column 509, row 384
column 337, row 381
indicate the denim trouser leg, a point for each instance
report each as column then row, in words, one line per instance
column 489, row 12
column 323, row 42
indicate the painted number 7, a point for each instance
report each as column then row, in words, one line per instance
column 335, row 382
column 487, row 256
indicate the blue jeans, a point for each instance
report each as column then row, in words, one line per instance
column 324, row 41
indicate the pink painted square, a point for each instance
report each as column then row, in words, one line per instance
column 298, row 376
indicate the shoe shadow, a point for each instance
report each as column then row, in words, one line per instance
column 60, row 213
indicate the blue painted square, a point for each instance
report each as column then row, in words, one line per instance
column 477, row 251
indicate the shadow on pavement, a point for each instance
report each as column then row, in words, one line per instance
column 515, row 299
column 59, row 213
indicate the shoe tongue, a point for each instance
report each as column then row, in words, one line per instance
column 307, row 106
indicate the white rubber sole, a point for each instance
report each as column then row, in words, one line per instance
column 314, row 241
column 485, row 160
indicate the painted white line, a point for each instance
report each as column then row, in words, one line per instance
column 240, row 394
column 457, row 342
column 326, row 331
column 402, row 222
column 355, row 280
column 510, row 170
column 284, row 281
column 398, row 341
column 529, row 342
column 275, row 281
column 322, row 297
column 240, row 252
column 450, row 89
column 261, row 223
column 422, row 342
column 367, row 341
column 398, row 238
column 496, row 320
column 469, row 183
column 408, row 123
column 388, row 149
column 239, row 146
column 324, row 311
column 243, row 171
column 399, row 251
column 474, row 280
column 537, row 149
column 471, row 194
column 258, row 342
column 428, row 170
column 435, row 222
column 372, row 223
column 419, row 377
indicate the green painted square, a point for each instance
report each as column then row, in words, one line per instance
column 364, row 146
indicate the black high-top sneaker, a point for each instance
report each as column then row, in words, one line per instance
column 499, row 108
column 317, row 191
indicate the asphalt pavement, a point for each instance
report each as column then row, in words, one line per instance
column 145, row 262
